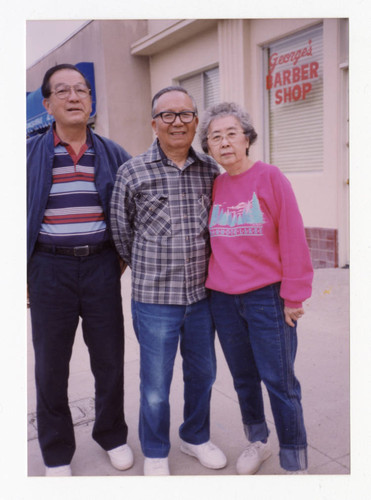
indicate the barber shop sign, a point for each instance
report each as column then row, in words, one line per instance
column 291, row 74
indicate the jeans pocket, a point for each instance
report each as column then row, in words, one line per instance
column 266, row 306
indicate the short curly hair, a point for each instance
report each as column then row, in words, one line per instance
column 226, row 109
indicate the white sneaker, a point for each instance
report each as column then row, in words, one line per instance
column 156, row 466
column 208, row 454
column 252, row 458
column 121, row 457
column 61, row 470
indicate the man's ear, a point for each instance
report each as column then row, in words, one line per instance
column 154, row 128
column 46, row 104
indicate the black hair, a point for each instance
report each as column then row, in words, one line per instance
column 45, row 87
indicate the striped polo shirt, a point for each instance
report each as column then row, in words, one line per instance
column 74, row 215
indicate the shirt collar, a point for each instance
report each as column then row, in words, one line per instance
column 58, row 140
column 192, row 154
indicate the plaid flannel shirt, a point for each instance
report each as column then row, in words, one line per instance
column 159, row 220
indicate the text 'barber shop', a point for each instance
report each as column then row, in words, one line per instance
column 291, row 74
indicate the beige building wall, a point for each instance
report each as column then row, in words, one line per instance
column 184, row 59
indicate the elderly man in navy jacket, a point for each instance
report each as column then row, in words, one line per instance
column 74, row 271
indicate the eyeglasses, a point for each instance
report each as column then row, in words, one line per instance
column 231, row 136
column 80, row 90
column 170, row 116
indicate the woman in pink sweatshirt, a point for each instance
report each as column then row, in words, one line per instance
column 260, row 273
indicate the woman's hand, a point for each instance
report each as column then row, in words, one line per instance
column 292, row 315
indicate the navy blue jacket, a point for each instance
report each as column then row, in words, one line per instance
column 40, row 154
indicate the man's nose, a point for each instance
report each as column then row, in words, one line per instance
column 73, row 95
column 177, row 121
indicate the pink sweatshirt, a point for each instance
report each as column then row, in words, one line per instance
column 257, row 236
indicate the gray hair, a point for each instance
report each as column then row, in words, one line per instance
column 226, row 109
column 172, row 88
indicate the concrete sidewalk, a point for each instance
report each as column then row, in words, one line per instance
column 322, row 367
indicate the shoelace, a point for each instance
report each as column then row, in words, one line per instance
column 209, row 446
column 252, row 449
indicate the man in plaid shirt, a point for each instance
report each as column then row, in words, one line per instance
column 159, row 218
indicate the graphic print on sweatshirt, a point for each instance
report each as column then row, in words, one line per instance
column 244, row 219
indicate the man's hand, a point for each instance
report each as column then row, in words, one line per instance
column 292, row 315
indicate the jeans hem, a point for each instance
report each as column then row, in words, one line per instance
column 156, row 453
column 293, row 459
column 256, row 432
column 193, row 441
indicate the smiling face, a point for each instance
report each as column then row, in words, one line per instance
column 174, row 137
column 230, row 152
column 72, row 111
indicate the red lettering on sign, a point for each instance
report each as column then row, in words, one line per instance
column 293, row 75
column 314, row 66
column 269, row 81
column 287, row 94
column 307, row 87
column 296, row 74
column 305, row 72
column 296, row 92
column 277, row 80
column 293, row 56
column 286, row 77
column 291, row 82
column 293, row 93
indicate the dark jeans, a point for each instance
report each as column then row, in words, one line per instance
column 259, row 346
column 159, row 328
column 62, row 289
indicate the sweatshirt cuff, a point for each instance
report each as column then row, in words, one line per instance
column 293, row 305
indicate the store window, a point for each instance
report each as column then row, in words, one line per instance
column 204, row 87
column 294, row 101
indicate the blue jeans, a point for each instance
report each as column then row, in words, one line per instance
column 259, row 346
column 158, row 329
column 63, row 289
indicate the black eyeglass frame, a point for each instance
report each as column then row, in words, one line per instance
column 180, row 114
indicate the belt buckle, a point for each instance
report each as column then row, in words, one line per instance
column 81, row 251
